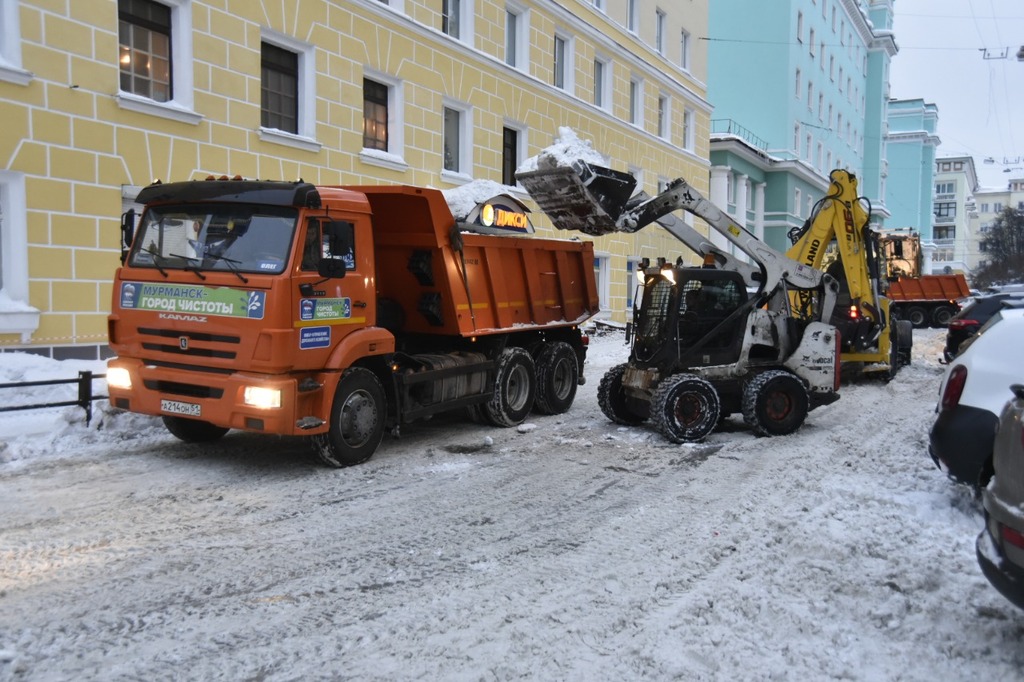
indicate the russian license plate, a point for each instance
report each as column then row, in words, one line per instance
column 176, row 407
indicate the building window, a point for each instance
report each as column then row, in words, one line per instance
column 601, row 74
column 796, row 88
column 375, row 115
column 599, row 5
column 997, row 207
column 659, row 32
column 821, row 106
column 810, row 41
column 688, row 133
column 684, row 50
column 796, row 202
column 21, row 318
column 945, row 209
column 509, row 155
column 560, row 65
column 946, row 188
column 279, row 88
column 517, row 32
column 984, row 209
column 452, row 139
column 944, row 232
column 799, row 27
column 664, row 117
column 10, row 44
column 511, row 29
column 144, row 34
column 810, row 95
column 451, row 18
column 635, row 108
column 796, row 138
column 631, row 15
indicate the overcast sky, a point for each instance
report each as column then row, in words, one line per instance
column 961, row 55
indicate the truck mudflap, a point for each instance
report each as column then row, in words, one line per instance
column 579, row 196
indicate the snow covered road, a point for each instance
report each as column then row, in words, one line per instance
column 566, row 549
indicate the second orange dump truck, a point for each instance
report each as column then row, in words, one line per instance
column 337, row 312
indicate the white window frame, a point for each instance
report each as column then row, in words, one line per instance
column 394, row 158
column 684, row 49
column 522, row 141
column 16, row 315
column 568, row 67
column 602, row 262
column 689, row 134
column 465, row 171
column 660, row 19
column 599, row 5
column 305, row 138
column 636, row 101
column 11, row 70
column 799, row 26
column 664, row 116
column 522, row 40
column 632, row 15
column 466, row 16
column 798, row 84
column 604, row 87
column 182, row 106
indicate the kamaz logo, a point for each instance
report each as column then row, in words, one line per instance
column 183, row 342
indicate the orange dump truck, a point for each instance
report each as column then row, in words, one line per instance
column 338, row 312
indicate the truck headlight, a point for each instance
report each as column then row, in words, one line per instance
column 262, row 398
column 119, row 377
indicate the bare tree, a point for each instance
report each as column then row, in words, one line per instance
column 1003, row 246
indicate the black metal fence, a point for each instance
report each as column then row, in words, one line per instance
column 85, row 394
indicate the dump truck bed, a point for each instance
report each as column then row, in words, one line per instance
column 930, row 288
column 445, row 281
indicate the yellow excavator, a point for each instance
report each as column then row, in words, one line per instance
column 837, row 239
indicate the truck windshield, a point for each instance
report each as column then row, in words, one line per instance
column 230, row 237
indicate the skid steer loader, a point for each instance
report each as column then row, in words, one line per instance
column 710, row 341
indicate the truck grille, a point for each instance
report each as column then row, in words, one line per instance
column 189, row 390
column 184, row 343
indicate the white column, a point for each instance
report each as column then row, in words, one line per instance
column 741, row 199
column 720, row 197
column 759, row 210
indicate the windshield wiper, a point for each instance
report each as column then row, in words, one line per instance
column 230, row 262
column 191, row 268
column 156, row 259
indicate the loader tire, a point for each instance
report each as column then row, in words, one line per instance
column 558, row 375
column 515, row 388
column 357, row 420
column 193, row 430
column 612, row 399
column 775, row 403
column 685, row 408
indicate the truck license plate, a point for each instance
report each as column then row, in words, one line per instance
column 175, row 407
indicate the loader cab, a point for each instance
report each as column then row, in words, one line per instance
column 690, row 317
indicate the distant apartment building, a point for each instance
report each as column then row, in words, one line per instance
column 799, row 87
column 100, row 98
column 954, row 209
column 990, row 202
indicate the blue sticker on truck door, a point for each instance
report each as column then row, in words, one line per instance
column 314, row 337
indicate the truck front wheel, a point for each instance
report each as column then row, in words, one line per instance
column 558, row 375
column 357, row 420
column 193, row 430
column 685, row 408
column 775, row 403
column 515, row 388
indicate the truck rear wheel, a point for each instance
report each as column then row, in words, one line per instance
column 917, row 316
column 558, row 375
column 612, row 398
column 775, row 403
column 515, row 388
column 685, row 408
column 942, row 315
column 357, row 420
column 193, row 430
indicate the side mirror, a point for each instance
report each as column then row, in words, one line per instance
column 127, row 233
column 331, row 267
column 337, row 249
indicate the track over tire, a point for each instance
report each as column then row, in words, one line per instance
column 685, row 408
column 558, row 375
column 917, row 316
column 357, row 420
column 612, row 399
column 515, row 388
column 942, row 315
column 193, row 430
column 775, row 403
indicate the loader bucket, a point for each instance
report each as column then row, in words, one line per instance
column 580, row 197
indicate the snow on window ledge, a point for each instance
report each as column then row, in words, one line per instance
column 171, row 110
column 376, row 157
column 9, row 74
column 17, row 317
column 287, row 139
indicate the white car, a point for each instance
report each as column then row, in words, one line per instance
column 971, row 397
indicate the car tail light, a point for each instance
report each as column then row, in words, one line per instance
column 954, row 387
column 962, row 324
column 1014, row 537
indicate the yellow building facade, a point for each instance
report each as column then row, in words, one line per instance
column 100, row 97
